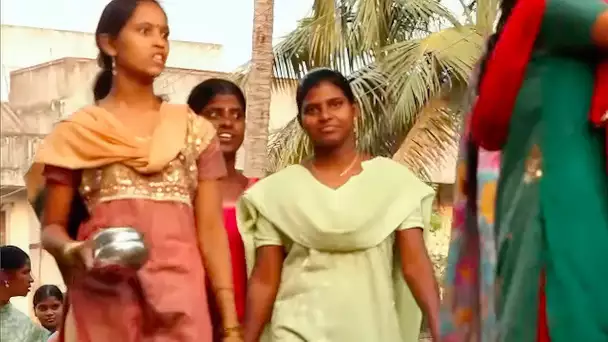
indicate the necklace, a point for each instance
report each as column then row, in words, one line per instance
column 348, row 168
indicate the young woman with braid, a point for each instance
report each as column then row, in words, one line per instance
column 542, row 101
column 140, row 162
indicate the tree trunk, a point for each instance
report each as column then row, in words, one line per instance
column 259, row 90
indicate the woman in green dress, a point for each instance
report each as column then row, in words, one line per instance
column 542, row 78
column 16, row 281
column 320, row 236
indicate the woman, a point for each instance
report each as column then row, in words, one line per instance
column 223, row 104
column 139, row 162
column 48, row 306
column 322, row 252
column 16, row 281
column 542, row 96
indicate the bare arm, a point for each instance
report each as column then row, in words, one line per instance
column 70, row 255
column 213, row 243
column 262, row 290
column 600, row 30
column 418, row 273
column 55, row 218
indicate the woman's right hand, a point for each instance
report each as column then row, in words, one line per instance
column 77, row 255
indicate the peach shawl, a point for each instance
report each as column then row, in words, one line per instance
column 93, row 137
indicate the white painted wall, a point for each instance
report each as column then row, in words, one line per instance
column 26, row 46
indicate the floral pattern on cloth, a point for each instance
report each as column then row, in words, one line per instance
column 467, row 313
column 15, row 326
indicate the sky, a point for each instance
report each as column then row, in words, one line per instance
column 226, row 22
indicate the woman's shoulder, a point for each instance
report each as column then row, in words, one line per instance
column 383, row 164
column 276, row 179
column 15, row 319
column 54, row 337
column 387, row 169
column 201, row 133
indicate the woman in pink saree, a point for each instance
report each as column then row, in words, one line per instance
column 137, row 161
column 223, row 104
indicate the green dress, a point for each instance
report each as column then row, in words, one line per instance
column 15, row 326
column 341, row 280
column 552, row 206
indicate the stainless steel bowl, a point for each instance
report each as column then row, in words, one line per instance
column 119, row 250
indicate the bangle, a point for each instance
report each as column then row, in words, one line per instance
column 224, row 289
column 232, row 331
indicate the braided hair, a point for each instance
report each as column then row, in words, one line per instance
column 506, row 7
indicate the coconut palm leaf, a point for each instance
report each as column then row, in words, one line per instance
column 420, row 69
column 399, row 63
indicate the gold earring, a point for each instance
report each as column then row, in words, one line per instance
column 113, row 66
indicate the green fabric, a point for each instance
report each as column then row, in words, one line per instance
column 15, row 326
column 568, row 23
column 552, row 206
column 341, row 280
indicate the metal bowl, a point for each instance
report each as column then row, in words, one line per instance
column 119, row 250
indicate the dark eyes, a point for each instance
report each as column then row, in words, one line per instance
column 146, row 31
column 314, row 109
column 216, row 114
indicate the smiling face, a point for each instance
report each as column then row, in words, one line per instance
column 142, row 46
column 49, row 312
column 328, row 117
column 227, row 115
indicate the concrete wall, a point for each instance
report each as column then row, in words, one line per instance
column 23, row 231
column 26, row 46
column 43, row 94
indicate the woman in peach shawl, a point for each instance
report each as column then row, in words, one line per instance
column 136, row 161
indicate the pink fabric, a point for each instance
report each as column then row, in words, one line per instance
column 167, row 300
column 239, row 268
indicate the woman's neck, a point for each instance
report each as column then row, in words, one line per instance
column 230, row 160
column 335, row 157
column 133, row 93
column 4, row 299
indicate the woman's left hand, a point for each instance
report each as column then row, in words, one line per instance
column 234, row 338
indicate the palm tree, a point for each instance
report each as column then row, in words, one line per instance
column 258, row 89
column 409, row 61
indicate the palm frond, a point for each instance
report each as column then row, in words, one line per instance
column 420, row 69
column 431, row 139
column 402, row 70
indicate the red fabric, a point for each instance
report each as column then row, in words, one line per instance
column 599, row 104
column 239, row 270
column 505, row 72
column 542, row 332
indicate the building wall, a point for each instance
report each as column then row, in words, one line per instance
column 42, row 94
column 23, row 231
column 26, row 46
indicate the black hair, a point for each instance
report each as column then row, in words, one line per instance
column 47, row 291
column 317, row 76
column 113, row 18
column 506, row 6
column 12, row 258
column 204, row 92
